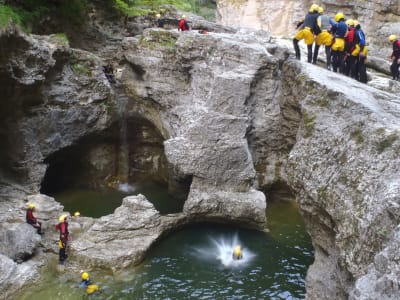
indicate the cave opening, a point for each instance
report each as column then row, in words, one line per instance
column 93, row 175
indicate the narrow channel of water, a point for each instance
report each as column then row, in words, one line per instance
column 195, row 263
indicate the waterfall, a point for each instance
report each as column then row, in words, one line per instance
column 123, row 153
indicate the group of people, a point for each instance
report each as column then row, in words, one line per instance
column 344, row 41
column 62, row 227
column 64, row 238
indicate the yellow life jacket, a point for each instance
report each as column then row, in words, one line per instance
column 91, row 288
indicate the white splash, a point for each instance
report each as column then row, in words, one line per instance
column 126, row 187
column 221, row 249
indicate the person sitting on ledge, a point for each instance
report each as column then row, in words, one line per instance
column 30, row 218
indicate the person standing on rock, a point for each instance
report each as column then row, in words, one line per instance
column 395, row 57
column 183, row 25
column 30, row 218
column 62, row 226
column 339, row 29
column 308, row 27
column 324, row 37
column 362, row 57
column 351, row 49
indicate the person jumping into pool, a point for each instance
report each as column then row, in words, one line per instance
column 237, row 253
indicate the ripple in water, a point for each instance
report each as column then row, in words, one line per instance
column 221, row 249
column 126, row 187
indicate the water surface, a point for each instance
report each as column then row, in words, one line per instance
column 195, row 263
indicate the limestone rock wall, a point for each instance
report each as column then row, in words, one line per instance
column 343, row 167
column 53, row 96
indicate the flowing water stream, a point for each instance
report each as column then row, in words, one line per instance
column 196, row 263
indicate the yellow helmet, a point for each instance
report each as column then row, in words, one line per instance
column 350, row 22
column 339, row 16
column 77, row 214
column 314, row 8
column 183, row 17
column 321, row 10
column 31, row 205
column 85, row 276
column 158, row 15
column 392, row 38
column 62, row 218
column 356, row 23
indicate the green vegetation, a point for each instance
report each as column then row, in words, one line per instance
column 386, row 142
column 80, row 69
column 322, row 102
column 27, row 13
column 357, row 136
column 60, row 38
column 157, row 39
column 309, row 124
column 204, row 8
column 7, row 15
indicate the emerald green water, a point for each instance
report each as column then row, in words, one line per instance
column 97, row 203
column 195, row 263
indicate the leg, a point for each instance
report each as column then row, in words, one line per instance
column 341, row 61
column 296, row 48
column 354, row 68
column 362, row 70
column 346, row 64
column 316, row 49
column 393, row 68
column 328, row 57
column 309, row 53
column 61, row 255
column 335, row 63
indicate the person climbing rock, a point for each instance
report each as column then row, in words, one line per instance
column 183, row 25
column 109, row 72
column 308, row 27
column 324, row 37
column 87, row 284
column 395, row 56
column 160, row 21
column 62, row 226
column 30, row 218
column 237, row 253
column 339, row 29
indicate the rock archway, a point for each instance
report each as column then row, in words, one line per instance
column 128, row 151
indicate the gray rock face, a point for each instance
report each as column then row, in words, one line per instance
column 343, row 167
column 14, row 276
column 120, row 240
column 60, row 101
column 382, row 279
column 19, row 241
column 237, row 115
